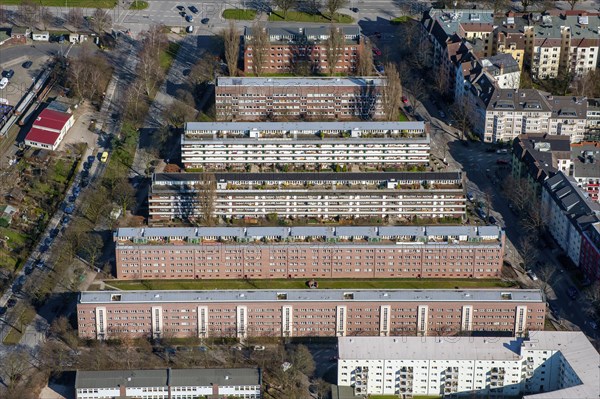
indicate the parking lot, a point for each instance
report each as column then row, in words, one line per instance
column 23, row 77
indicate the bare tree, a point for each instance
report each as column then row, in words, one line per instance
column 313, row 7
column 546, row 271
column 13, row 367
column 155, row 40
column 285, row 5
column 391, row 92
column 27, row 12
column 231, row 42
column 497, row 5
column 529, row 251
column 45, row 16
column 259, row 42
column 334, row 47
column 572, row 3
column 206, row 198
column 177, row 113
column 462, row 116
column 3, row 15
column 592, row 297
column 136, row 103
column 364, row 66
column 92, row 247
column 75, row 17
column 101, row 20
column 124, row 195
column 149, row 70
column 204, row 70
column 416, row 91
column 333, row 6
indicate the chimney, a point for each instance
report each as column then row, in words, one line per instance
column 215, row 390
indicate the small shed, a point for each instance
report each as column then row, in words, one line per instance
column 40, row 36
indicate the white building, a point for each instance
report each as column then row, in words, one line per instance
column 557, row 364
column 505, row 70
column 169, row 383
column 567, row 211
column 40, row 36
column 514, row 112
column 239, row 144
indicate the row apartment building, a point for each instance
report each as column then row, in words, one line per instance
column 385, row 195
column 545, row 365
column 243, row 383
column 289, row 46
column 510, row 113
column 569, row 213
column 306, row 145
column 306, row 98
column 306, row 313
column 309, row 252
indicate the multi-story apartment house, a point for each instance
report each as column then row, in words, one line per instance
column 289, row 46
column 567, row 212
column 562, row 41
column 446, row 29
column 593, row 117
column 589, row 259
column 314, row 98
column 309, row 252
column 585, row 167
column 537, row 157
column 243, row 383
column 510, row 39
column 306, row 313
column 546, row 365
column 504, row 69
column 384, row 195
column 305, row 145
column 514, row 112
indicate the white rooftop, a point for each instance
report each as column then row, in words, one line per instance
column 302, row 126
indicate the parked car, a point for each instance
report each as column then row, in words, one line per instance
column 353, row 9
column 69, row 209
column 501, row 162
column 65, row 220
column 553, row 309
column 492, row 220
column 376, row 51
column 104, row 156
column 204, row 21
column 378, row 35
column 54, row 233
column 11, row 302
column 189, row 18
column 502, row 151
column 442, row 114
column 8, row 74
column 593, row 324
column 27, row 64
column 3, row 83
column 180, row 8
column 532, row 275
column 189, row 29
column 91, row 159
column 258, row 348
column 470, row 197
column 572, row 292
column 404, row 99
column 193, row 9
column 84, row 182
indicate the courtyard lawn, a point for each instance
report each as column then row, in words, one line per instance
column 301, row 284
column 239, row 14
column 299, row 16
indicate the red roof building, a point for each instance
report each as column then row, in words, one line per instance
column 49, row 129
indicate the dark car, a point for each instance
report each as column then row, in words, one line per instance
column 553, row 309
column 91, row 159
column 27, row 64
column 377, row 35
column 204, row 21
column 65, row 220
column 492, row 220
column 53, row 233
column 193, row 9
column 84, row 182
column 11, row 302
column 189, row 18
column 572, row 292
column 69, row 209
column 182, row 13
column 180, row 8
column 2, row 310
column 85, row 174
column 353, row 9
column 9, row 74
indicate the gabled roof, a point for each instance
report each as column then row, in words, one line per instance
column 42, row 136
column 51, row 120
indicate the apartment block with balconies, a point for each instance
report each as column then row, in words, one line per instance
column 307, row 98
column 309, row 252
column 305, row 145
column 307, row 313
column 385, row 195
column 289, row 46
column 545, row 365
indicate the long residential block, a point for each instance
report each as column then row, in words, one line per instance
column 386, row 195
column 306, row 313
column 238, row 145
column 306, row 98
column 169, row 383
column 547, row 364
column 309, row 252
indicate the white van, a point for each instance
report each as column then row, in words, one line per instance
column 3, row 83
column 190, row 29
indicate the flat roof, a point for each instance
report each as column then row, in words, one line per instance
column 310, row 176
column 301, row 81
column 299, row 126
column 309, row 231
column 318, row 295
column 164, row 377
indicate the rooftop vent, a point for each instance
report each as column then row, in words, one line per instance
column 115, row 297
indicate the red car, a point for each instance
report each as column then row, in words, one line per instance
column 376, row 51
column 502, row 162
column 404, row 100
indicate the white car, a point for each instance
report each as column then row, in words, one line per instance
column 3, row 83
column 532, row 275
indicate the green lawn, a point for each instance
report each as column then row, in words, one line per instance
column 69, row 3
column 301, row 284
column 138, row 5
column 239, row 14
column 14, row 336
column 399, row 20
column 298, row 16
column 168, row 56
column 402, row 117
